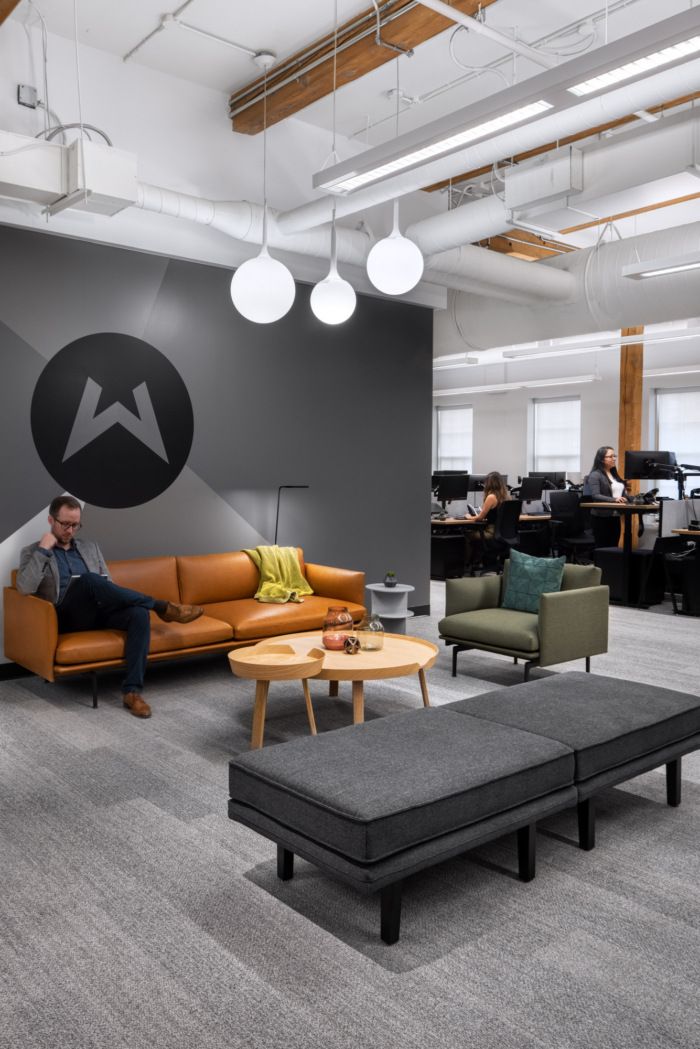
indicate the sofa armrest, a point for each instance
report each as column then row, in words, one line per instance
column 573, row 624
column 471, row 594
column 31, row 632
column 343, row 583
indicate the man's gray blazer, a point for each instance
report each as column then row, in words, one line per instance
column 38, row 574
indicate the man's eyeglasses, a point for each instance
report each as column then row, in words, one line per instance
column 74, row 525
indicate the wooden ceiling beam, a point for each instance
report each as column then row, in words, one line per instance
column 547, row 147
column 630, row 214
column 308, row 75
column 524, row 245
column 6, row 8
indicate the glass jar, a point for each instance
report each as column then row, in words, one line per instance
column 337, row 625
column 371, row 634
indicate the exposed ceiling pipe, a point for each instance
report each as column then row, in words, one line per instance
column 475, row 26
column 603, row 299
column 670, row 83
column 242, row 220
column 610, row 166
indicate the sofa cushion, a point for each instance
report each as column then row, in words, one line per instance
column 252, row 620
column 206, row 579
column 156, row 576
column 606, row 721
column 502, row 627
column 371, row 790
column 92, row 646
column 529, row 578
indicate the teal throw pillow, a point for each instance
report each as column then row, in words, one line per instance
column 528, row 578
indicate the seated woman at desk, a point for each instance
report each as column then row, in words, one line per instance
column 604, row 485
column 495, row 493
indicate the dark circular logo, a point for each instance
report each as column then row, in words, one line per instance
column 112, row 420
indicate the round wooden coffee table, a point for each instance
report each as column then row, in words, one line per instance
column 401, row 656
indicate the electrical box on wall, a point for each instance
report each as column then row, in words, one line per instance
column 544, row 181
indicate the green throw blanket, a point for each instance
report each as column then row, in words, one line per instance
column 280, row 575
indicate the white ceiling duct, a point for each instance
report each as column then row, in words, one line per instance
column 603, row 298
column 503, row 274
column 610, row 166
column 662, row 86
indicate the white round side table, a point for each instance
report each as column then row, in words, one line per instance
column 390, row 603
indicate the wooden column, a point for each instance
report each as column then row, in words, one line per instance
column 629, row 436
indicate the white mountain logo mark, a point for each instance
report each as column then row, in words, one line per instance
column 88, row 426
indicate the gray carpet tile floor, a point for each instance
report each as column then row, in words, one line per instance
column 134, row 913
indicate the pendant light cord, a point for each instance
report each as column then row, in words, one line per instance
column 80, row 98
column 264, row 229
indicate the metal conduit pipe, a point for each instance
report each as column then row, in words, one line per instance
column 603, row 298
column 243, row 221
column 662, row 86
column 475, row 26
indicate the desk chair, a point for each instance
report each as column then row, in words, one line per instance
column 570, row 532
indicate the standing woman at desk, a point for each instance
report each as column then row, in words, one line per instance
column 495, row 493
column 604, row 485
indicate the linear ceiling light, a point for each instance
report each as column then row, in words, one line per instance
column 502, row 387
column 568, row 349
column 654, row 373
column 640, row 65
column 661, row 267
column 674, row 39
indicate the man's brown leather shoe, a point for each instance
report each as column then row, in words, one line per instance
column 173, row 613
column 136, row 704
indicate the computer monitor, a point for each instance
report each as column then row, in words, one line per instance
column 555, row 477
column 645, row 466
column 450, row 486
column 476, row 482
column 530, row 489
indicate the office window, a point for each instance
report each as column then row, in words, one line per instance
column 453, row 438
column 678, row 430
column 556, row 431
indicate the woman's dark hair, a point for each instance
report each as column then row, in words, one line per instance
column 599, row 461
column 60, row 501
column 495, row 485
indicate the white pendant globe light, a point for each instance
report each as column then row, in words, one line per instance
column 333, row 300
column 263, row 289
column 395, row 264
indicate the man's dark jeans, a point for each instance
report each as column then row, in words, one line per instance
column 93, row 602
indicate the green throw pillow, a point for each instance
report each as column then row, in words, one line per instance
column 528, row 578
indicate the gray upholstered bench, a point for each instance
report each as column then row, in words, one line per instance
column 617, row 729
column 374, row 803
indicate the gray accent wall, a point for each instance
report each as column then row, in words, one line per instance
column 345, row 410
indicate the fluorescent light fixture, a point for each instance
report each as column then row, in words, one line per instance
column 682, row 369
column 356, row 179
column 661, row 267
column 503, row 387
column 675, row 39
column 466, row 362
column 570, row 349
column 639, row 65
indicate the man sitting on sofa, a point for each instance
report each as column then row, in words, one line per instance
column 72, row 574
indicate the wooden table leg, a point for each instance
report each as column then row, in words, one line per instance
column 424, row 688
column 261, row 690
column 358, row 703
column 309, row 707
column 332, row 688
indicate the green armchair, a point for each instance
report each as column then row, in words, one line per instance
column 571, row 624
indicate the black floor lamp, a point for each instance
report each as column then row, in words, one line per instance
column 279, row 493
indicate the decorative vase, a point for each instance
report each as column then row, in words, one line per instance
column 390, row 579
column 337, row 626
column 371, row 634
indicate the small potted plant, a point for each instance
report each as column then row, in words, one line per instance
column 390, row 579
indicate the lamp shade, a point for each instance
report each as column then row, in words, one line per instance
column 395, row 265
column 333, row 300
column 263, row 289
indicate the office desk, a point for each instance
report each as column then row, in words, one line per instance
column 627, row 511
column 447, row 549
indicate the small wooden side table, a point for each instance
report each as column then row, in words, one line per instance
column 275, row 663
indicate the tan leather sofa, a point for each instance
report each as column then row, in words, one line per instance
column 225, row 586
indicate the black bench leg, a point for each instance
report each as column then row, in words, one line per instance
column 673, row 782
column 93, row 678
column 588, row 664
column 391, row 912
column 586, row 824
column 528, row 665
column 455, row 651
column 285, row 863
column 526, row 852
